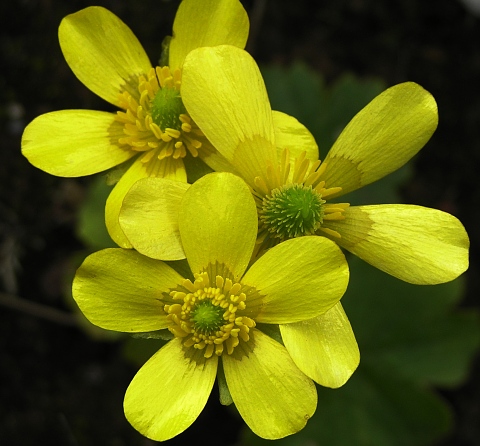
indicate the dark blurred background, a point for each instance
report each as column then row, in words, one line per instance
column 58, row 386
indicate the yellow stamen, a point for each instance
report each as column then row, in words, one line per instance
column 330, row 232
column 140, row 131
column 300, row 172
column 208, row 316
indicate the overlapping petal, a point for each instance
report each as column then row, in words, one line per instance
column 218, row 223
column 149, row 217
column 207, row 23
column 272, row 395
column 223, row 91
column 413, row 243
column 294, row 136
column 324, row 348
column 167, row 168
column 73, row 143
column 382, row 137
column 120, row 290
column 298, row 279
column 103, row 52
column 168, row 393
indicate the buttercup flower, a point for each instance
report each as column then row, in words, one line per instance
column 216, row 316
column 293, row 190
column 153, row 129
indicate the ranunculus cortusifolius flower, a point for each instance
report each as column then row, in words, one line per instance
column 152, row 130
column 294, row 191
column 217, row 314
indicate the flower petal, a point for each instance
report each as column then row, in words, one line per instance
column 217, row 162
column 166, row 168
column 272, row 395
column 382, row 137
column 223, row 91
column 169, row 392
column 299, row 279
column 103, row 52
column 324, row 348
column 218, row 223
column 207, row 23
column 415, row 244
column 74, row 143
column 149, row 217
column 291, row 135
column 120, row 290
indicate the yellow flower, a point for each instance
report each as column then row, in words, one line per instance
column 213, row 315
column 149, row 218
column 153, row 128
column 293, row 190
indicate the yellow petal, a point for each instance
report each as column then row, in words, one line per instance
column 416, row 244
column 223, row 91
column 120, row 290
column 103, row 52
column 74, row 143
column 324, row 348
column 166, row 168
column 149, row 217
column 169, row 392
column 217, row 162
column 291, row 135
column 272, row 395
column 218, row 223
column 382, row 137
column 207, row 23
column 298, row 279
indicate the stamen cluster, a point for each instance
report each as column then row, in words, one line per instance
column 291, row 200
column 292, row 211
column 156, row 121
column 207, row 314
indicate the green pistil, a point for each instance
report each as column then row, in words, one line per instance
column 292, row 211
column 207, row 318
column 167, row 105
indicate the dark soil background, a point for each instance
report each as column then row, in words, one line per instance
column 57, row 385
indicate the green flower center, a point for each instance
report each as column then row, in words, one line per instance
column 167, row 106
column 207, row 317
column 291, row 211
column 207, row 314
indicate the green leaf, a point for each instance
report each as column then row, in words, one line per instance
column 139, row 351
column 414, row 330
column 195, row 168
column 410, row 337
column 324, row 110
column 91, row 227
column 298, row 91
column 271, row 330
column 371, row 409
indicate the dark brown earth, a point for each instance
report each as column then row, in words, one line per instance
column 58, row 386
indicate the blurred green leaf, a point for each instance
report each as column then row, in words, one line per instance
column 414, row 330
column 410, row 338
column 195, row 168
column 139, row 351
column 298, row 91
column 91, row 227
column 324, row 110
column 371, row 409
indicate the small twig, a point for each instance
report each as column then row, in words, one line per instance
column 38, row 310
